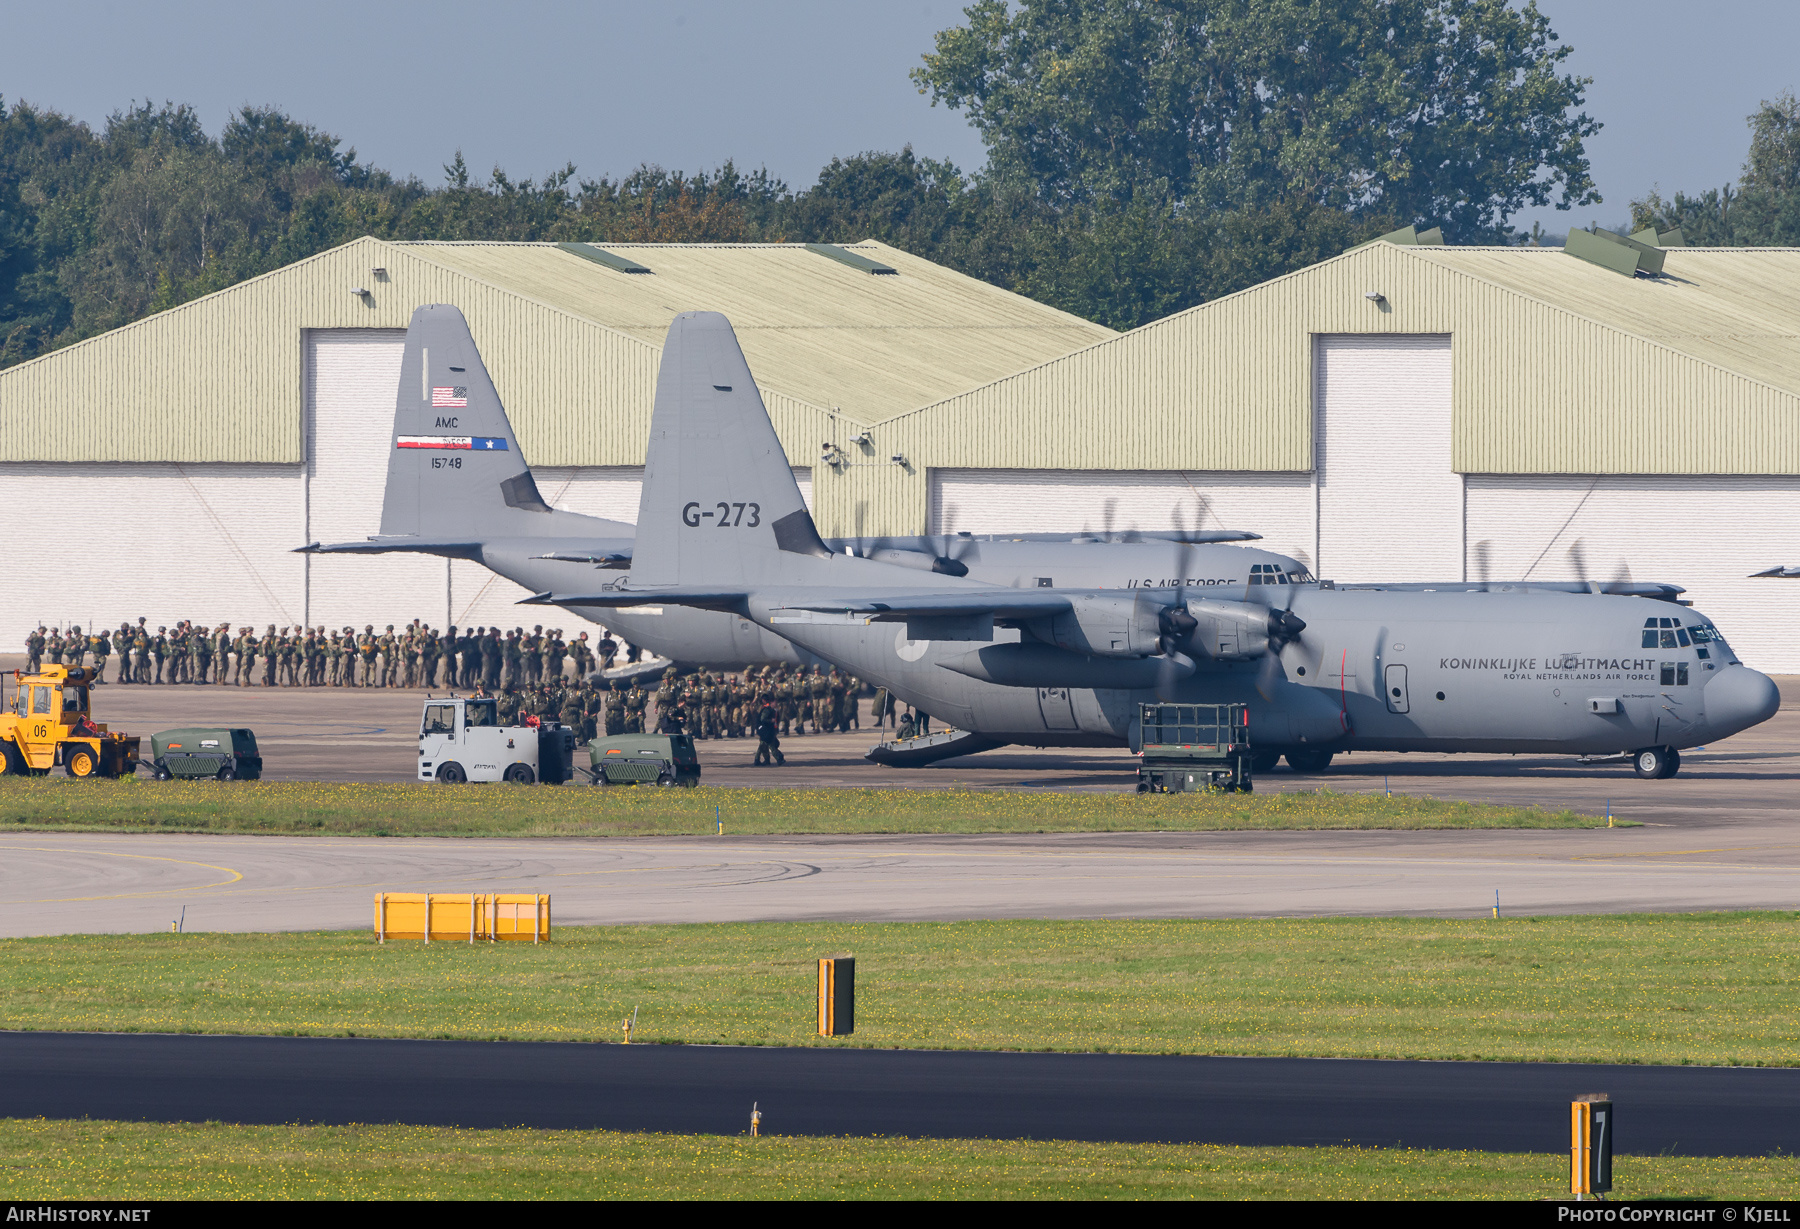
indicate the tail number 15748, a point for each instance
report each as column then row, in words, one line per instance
column 724, row 515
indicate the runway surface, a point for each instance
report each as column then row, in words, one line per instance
column 1502, row 1107
column 79, row 883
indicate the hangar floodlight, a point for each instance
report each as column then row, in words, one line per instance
column 380, row 272
column 358, row 291
column 897, row 459
column 1374, row 296
column 861, row 437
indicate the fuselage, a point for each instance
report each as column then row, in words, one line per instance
column 1395, row 671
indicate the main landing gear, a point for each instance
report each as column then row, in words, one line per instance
column 1656, row 763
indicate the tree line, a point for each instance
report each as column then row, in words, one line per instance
column 1143, row 156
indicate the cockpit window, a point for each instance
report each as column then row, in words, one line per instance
column 1274, row 574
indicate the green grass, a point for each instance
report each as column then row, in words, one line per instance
column 1638, row 988
column 90, row 1160
column 307, row 808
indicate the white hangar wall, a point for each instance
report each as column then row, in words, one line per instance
column 214, row 542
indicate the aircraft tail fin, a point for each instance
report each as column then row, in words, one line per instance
column 720, row 504
column 455, row 469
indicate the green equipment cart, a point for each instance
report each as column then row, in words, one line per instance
column 229, row 755
column 1193, row 746
column 644, row 759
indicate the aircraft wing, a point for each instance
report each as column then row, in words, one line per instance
column 888, row 607
column 1002, row 603
column 1786, row 573
column 671, row 595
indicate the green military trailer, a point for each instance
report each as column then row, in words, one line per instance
column 1193, row 746
column 644, row 759
column 228, row 755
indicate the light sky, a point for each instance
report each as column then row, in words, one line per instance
column 784, row 84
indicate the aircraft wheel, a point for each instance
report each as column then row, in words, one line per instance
column 1309, row 761
column 1656, row 763
column 451, row 773
column 80, row 762
column 1264, row 761
column 519, row 774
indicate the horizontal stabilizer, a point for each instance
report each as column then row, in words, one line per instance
column 396, row 544
column 600, row 559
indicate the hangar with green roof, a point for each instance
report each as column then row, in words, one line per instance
column 1400, row 412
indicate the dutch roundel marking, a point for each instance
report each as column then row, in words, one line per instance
column 473, row 443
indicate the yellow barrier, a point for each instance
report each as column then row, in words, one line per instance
column 457, row 916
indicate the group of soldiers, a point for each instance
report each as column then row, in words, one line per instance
column 527, row 671
column 728, row 706
column 414, row 656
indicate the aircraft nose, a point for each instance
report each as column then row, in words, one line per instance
column 1738, row 698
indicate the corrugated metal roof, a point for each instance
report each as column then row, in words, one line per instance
column 811, row 327
column 573, row 346
column 1559, row 366
column 1737, row 307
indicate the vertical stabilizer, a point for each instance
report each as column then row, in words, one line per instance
column 720, row 505
column 454, row 468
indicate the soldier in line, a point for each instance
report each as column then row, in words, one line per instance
column 34, row 649
column 101, row 647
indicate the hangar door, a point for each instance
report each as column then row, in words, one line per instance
column 1275, row 505
column 352, row 376
column 1390, row 507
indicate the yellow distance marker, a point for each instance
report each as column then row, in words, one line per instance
column 1590, row 1145
column 837, row 996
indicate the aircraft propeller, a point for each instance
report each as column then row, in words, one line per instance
column 1174, row 623
column 1578, row 556
column 1483, row 552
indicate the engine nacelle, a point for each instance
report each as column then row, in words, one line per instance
column 1119, row 623
column 1230, row 631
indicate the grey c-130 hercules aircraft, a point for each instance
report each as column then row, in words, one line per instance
column 458, row 486
column 1592, row 670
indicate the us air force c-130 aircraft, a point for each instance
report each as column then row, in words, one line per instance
column 721, row 527
column 458, row 486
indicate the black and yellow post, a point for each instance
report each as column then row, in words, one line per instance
column 1590, row 1145
column 837, row 996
